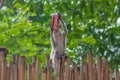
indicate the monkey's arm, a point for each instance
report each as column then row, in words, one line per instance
column 52, row 39
column 63, row 26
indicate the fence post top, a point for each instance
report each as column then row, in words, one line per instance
column 3, row 52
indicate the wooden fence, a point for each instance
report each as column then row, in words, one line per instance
column 18, row 70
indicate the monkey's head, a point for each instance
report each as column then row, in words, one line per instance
column 4, row 51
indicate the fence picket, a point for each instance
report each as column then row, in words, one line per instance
column 90, row 66
column 67, row 69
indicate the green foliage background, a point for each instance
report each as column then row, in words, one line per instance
column 25, row 27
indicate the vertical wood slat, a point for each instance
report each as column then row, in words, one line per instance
column 37, row 69
column 47, row 59
column 102, row 71
column 86, row 72
column 33, row 71
column 62, row 68
column 22, row 70
column 15, row 72
column 117, row 74
column 48, row 72
column 11, row 71
column 99, row 62
column 30, row 72
column 15, row 66
column 90, row 66
column 50, row 65
column 7, row 73
column 33, row 67
column 75, row 71
column 110, row 75
column 58, row 69
column 106, row 70
column 44, row 74
column 82, row 69
column 2, row 70
column 2, row 65
column 34, row 59
column 94, row 72
column 78, row 73
column 67, row 69
column 72, row 74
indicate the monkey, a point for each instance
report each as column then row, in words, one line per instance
column 58, row 42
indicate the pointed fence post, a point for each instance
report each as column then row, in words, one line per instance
column 44, row 74
column 67, row 69
column 90, row 66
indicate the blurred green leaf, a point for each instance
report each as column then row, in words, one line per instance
column 89, row 40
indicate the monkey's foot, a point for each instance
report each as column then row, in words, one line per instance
column 60, row 56
column 65, row 55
